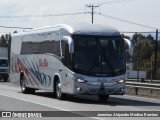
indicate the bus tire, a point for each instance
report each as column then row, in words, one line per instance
column 103, row 98
column 25, row 89
column 58, row 90
column 5, row 79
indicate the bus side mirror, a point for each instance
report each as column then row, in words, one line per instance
column 63, row 59
column 70, row 43
column 130, row 46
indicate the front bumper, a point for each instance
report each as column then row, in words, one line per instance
column 105, row 89
column 2, row 75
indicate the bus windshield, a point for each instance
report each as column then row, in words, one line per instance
column 99, row 56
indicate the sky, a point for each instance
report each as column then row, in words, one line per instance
column 145, row 12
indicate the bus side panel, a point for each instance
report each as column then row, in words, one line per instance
column 14, row 54
column 31, row 56
column 68, row 76
column 47, row 66
column 27, row 66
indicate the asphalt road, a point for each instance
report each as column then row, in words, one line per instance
column 11, row 99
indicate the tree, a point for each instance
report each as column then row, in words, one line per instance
column 144, row 53
column 4, row 40
column 15, row 32
column 137, row 38
column 125, row 36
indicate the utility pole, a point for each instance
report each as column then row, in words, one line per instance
column 155, row 59
column 92, row 8
column 9, row 49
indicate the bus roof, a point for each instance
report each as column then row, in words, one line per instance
column 79, row 28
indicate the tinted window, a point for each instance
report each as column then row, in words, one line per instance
column 96, row 55
column 41, row 47
column 49, row 47
column 29, row 47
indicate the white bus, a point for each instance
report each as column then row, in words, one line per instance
column 80, row 59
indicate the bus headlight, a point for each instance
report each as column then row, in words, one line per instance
column 120, row 80
column 81, row 81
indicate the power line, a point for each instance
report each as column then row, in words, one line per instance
column 5, row 32
column 114, row 1
column 49, row 15
column 79, row 18
column 26, row 16
column 74, row 16
column 15, row 27
column 136, row 32
column 92, row 8
column 126, row 21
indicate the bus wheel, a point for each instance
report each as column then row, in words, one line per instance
column 59, row 94
column 103, row 98
column 5, row 79
column 24, row 89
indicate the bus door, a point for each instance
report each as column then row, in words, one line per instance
column 66, row 58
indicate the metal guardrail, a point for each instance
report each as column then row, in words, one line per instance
column 143, row 85
column 144, row 80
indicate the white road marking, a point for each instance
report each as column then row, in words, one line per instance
column 46, row 105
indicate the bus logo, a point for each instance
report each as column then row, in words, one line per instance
column 102, row 80
column 43, row 63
